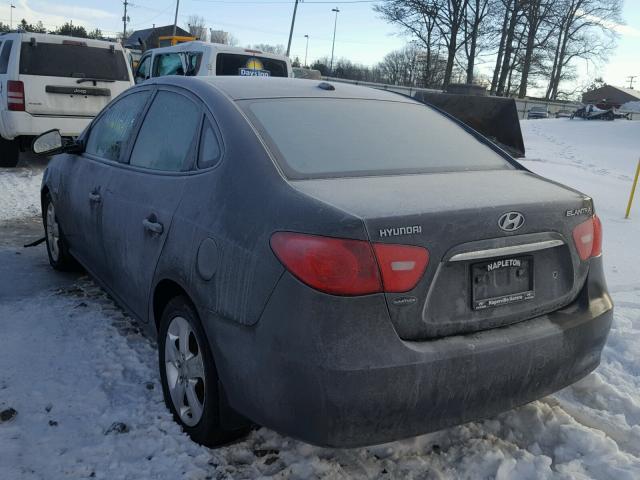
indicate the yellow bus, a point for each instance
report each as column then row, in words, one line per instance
column 171, row 40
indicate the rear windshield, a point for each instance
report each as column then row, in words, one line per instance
column 79, row 61
column 318, row 138
column 250, row 65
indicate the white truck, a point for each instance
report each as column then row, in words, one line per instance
column 206, row 59
column 54, row 81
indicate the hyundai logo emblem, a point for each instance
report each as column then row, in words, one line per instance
column 511, row 221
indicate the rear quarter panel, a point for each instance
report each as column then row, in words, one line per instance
column 237, row 205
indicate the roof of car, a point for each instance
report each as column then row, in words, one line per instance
column 239, row 88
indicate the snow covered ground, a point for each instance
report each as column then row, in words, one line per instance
column 94, row 369
column 20, row 189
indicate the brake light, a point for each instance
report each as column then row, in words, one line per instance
column 401, row 266
column 588, row 238
column 350, row 267
column 15, row 95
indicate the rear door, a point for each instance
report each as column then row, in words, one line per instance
column 142, row 197
column 71, row 77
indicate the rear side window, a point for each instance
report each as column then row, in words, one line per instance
column 209, row 153
column 110, row 133
column 5, row 53
column 166, row 138
column 319, row 137
column 249, row 65
column 72, row 60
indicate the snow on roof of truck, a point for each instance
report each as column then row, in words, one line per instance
column 200, row 46
column 51, row 38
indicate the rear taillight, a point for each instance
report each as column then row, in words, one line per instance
column 350, row 267
column 401, row 266
column 15, row 95
column 588, row 238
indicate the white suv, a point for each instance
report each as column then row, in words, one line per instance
column 53, row 81
column 201, row 58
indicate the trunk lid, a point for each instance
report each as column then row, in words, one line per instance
column 455, row 216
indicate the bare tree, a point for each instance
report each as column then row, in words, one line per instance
column 265, row 47
column 197, row 26
column 474, row 16
column 429, row 21
column 536, row 13
column 584, row 29
column 225, row 38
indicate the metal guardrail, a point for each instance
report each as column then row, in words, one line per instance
column 522, row 105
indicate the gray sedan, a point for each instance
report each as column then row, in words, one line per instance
column 344, row 265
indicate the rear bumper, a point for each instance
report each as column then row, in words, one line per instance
column 327, row 378
column 18, row 124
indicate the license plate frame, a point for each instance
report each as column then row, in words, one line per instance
column 501, row 281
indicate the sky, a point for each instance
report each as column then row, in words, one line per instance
column 361, row 35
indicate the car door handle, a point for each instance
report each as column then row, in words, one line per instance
column 95, row 197
column 151, row 226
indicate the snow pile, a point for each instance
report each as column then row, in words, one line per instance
column 19, row 192
column 94, row 371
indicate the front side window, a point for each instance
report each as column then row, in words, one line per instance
column 321, row 137
column 143, row 69
column 167, row 135
column 110, row 133
column 167, row 64
column 182, row 63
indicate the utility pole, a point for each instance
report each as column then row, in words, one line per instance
column 631, row 78
column 11, row 16
column 306, row 50
column 175, row 19
column 293, row 22
column 335, row 23
column 125, row 19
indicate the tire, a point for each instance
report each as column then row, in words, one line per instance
column 9, row 153
column 189, row 367
column 57, row 246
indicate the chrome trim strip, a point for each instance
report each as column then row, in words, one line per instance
column 505, row 251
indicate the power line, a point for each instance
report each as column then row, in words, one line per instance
column 125, row 19
column 285, row 2
column 631, row 78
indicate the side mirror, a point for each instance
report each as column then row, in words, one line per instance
column 47, row 143
column 52, row 143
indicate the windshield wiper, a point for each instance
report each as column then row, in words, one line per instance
column 94, row 80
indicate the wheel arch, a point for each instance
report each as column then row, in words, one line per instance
column 165, row 290
column 44, row 191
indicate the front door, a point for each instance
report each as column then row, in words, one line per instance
column 142, row 197
column 90, row 174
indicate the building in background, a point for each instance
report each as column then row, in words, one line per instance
column 149, row 37
column 610, row 96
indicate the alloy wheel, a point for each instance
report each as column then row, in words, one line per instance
column 184, row 368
